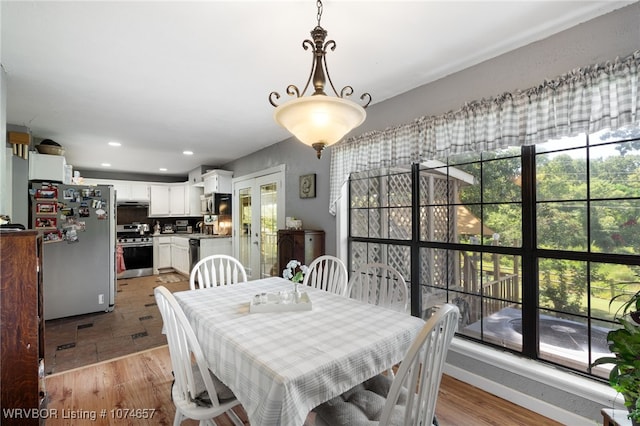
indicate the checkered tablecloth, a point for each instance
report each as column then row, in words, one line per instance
column 280, row 365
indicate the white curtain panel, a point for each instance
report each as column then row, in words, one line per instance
column 584, row 100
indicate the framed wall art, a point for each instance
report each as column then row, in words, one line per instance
column 308, row 186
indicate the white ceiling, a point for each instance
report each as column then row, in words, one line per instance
column 161, row 77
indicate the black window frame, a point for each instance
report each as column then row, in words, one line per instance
column 529, row 252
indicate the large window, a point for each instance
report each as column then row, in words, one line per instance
column 531, row 243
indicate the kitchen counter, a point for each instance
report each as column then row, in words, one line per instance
column 204, row 236
column 192, row 236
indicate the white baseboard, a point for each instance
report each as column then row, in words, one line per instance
column 601, row 394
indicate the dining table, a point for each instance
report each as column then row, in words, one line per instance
column 280, row 365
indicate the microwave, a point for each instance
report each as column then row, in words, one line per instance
column 218, row 204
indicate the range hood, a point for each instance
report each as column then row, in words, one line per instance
column 133, row 204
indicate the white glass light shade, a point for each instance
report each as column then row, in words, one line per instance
column 319, row 118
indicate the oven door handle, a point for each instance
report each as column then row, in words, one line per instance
column 127, row 245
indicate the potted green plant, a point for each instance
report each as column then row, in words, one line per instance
column 624, row 343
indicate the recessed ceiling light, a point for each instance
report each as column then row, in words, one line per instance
column 106, row 165
column 163, row 169
column 187, row 152
column 114, row 143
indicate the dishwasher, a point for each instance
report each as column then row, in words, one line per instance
column 194, row 252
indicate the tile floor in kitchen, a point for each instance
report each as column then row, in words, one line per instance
column 134, row 325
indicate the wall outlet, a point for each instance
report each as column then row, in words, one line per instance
column 101, row 299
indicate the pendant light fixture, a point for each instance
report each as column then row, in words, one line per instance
column 319, row 120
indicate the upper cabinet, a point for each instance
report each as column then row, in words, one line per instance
column 176, row 199
column 217, row 181
column 165, row 199
column 49, row 167
column 160, row 201
column 132, row 191
column 126, row 190
column 192, row 194
column 177, row 202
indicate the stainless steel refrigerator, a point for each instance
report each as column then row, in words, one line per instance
column 78, row 224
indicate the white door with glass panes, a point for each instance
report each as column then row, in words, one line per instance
column 258, row 213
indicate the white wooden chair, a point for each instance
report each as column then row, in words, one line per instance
column 327, row 273
column 379, row 284
column 217, row 270
column 410, row 398
column 196, row 392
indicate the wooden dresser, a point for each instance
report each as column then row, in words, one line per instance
column 302, row 245
column 22, row 325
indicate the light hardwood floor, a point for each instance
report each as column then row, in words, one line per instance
column 113, row 389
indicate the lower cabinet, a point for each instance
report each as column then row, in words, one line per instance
column 164, row 256
column 211, row 246
column 180, row 254
column 161, row 253
column 302, row 245
column 172, row 252
column 22, row 335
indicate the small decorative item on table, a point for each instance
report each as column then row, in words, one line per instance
column 284, row 300
column 295, row 272
column 279, row 302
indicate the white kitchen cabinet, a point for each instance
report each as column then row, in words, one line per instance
column 167, row 200
column 178, row 199
column 161, row 253
column 164, row 256
column 219, row 245
column 126, row 190
column 140, row 191
column 193, row 204
column 180, row 254
column 123, row 191
column 92, row 181
column 132, row 191
column 217, row 181
column 48, row 167
column 159, row 200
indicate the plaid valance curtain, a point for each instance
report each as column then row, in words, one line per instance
column 585, row 100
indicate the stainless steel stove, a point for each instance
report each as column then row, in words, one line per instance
column 137, row 245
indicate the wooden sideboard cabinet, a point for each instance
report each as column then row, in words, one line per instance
column 302, row 245
column 22, row 326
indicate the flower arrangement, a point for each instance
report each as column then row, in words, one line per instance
column 295, row 271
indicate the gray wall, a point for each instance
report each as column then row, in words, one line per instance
column 19, row 183
column 600, row 40
column 5, row 167
column 596, row 41
column 101, row 174
column 299, row 160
